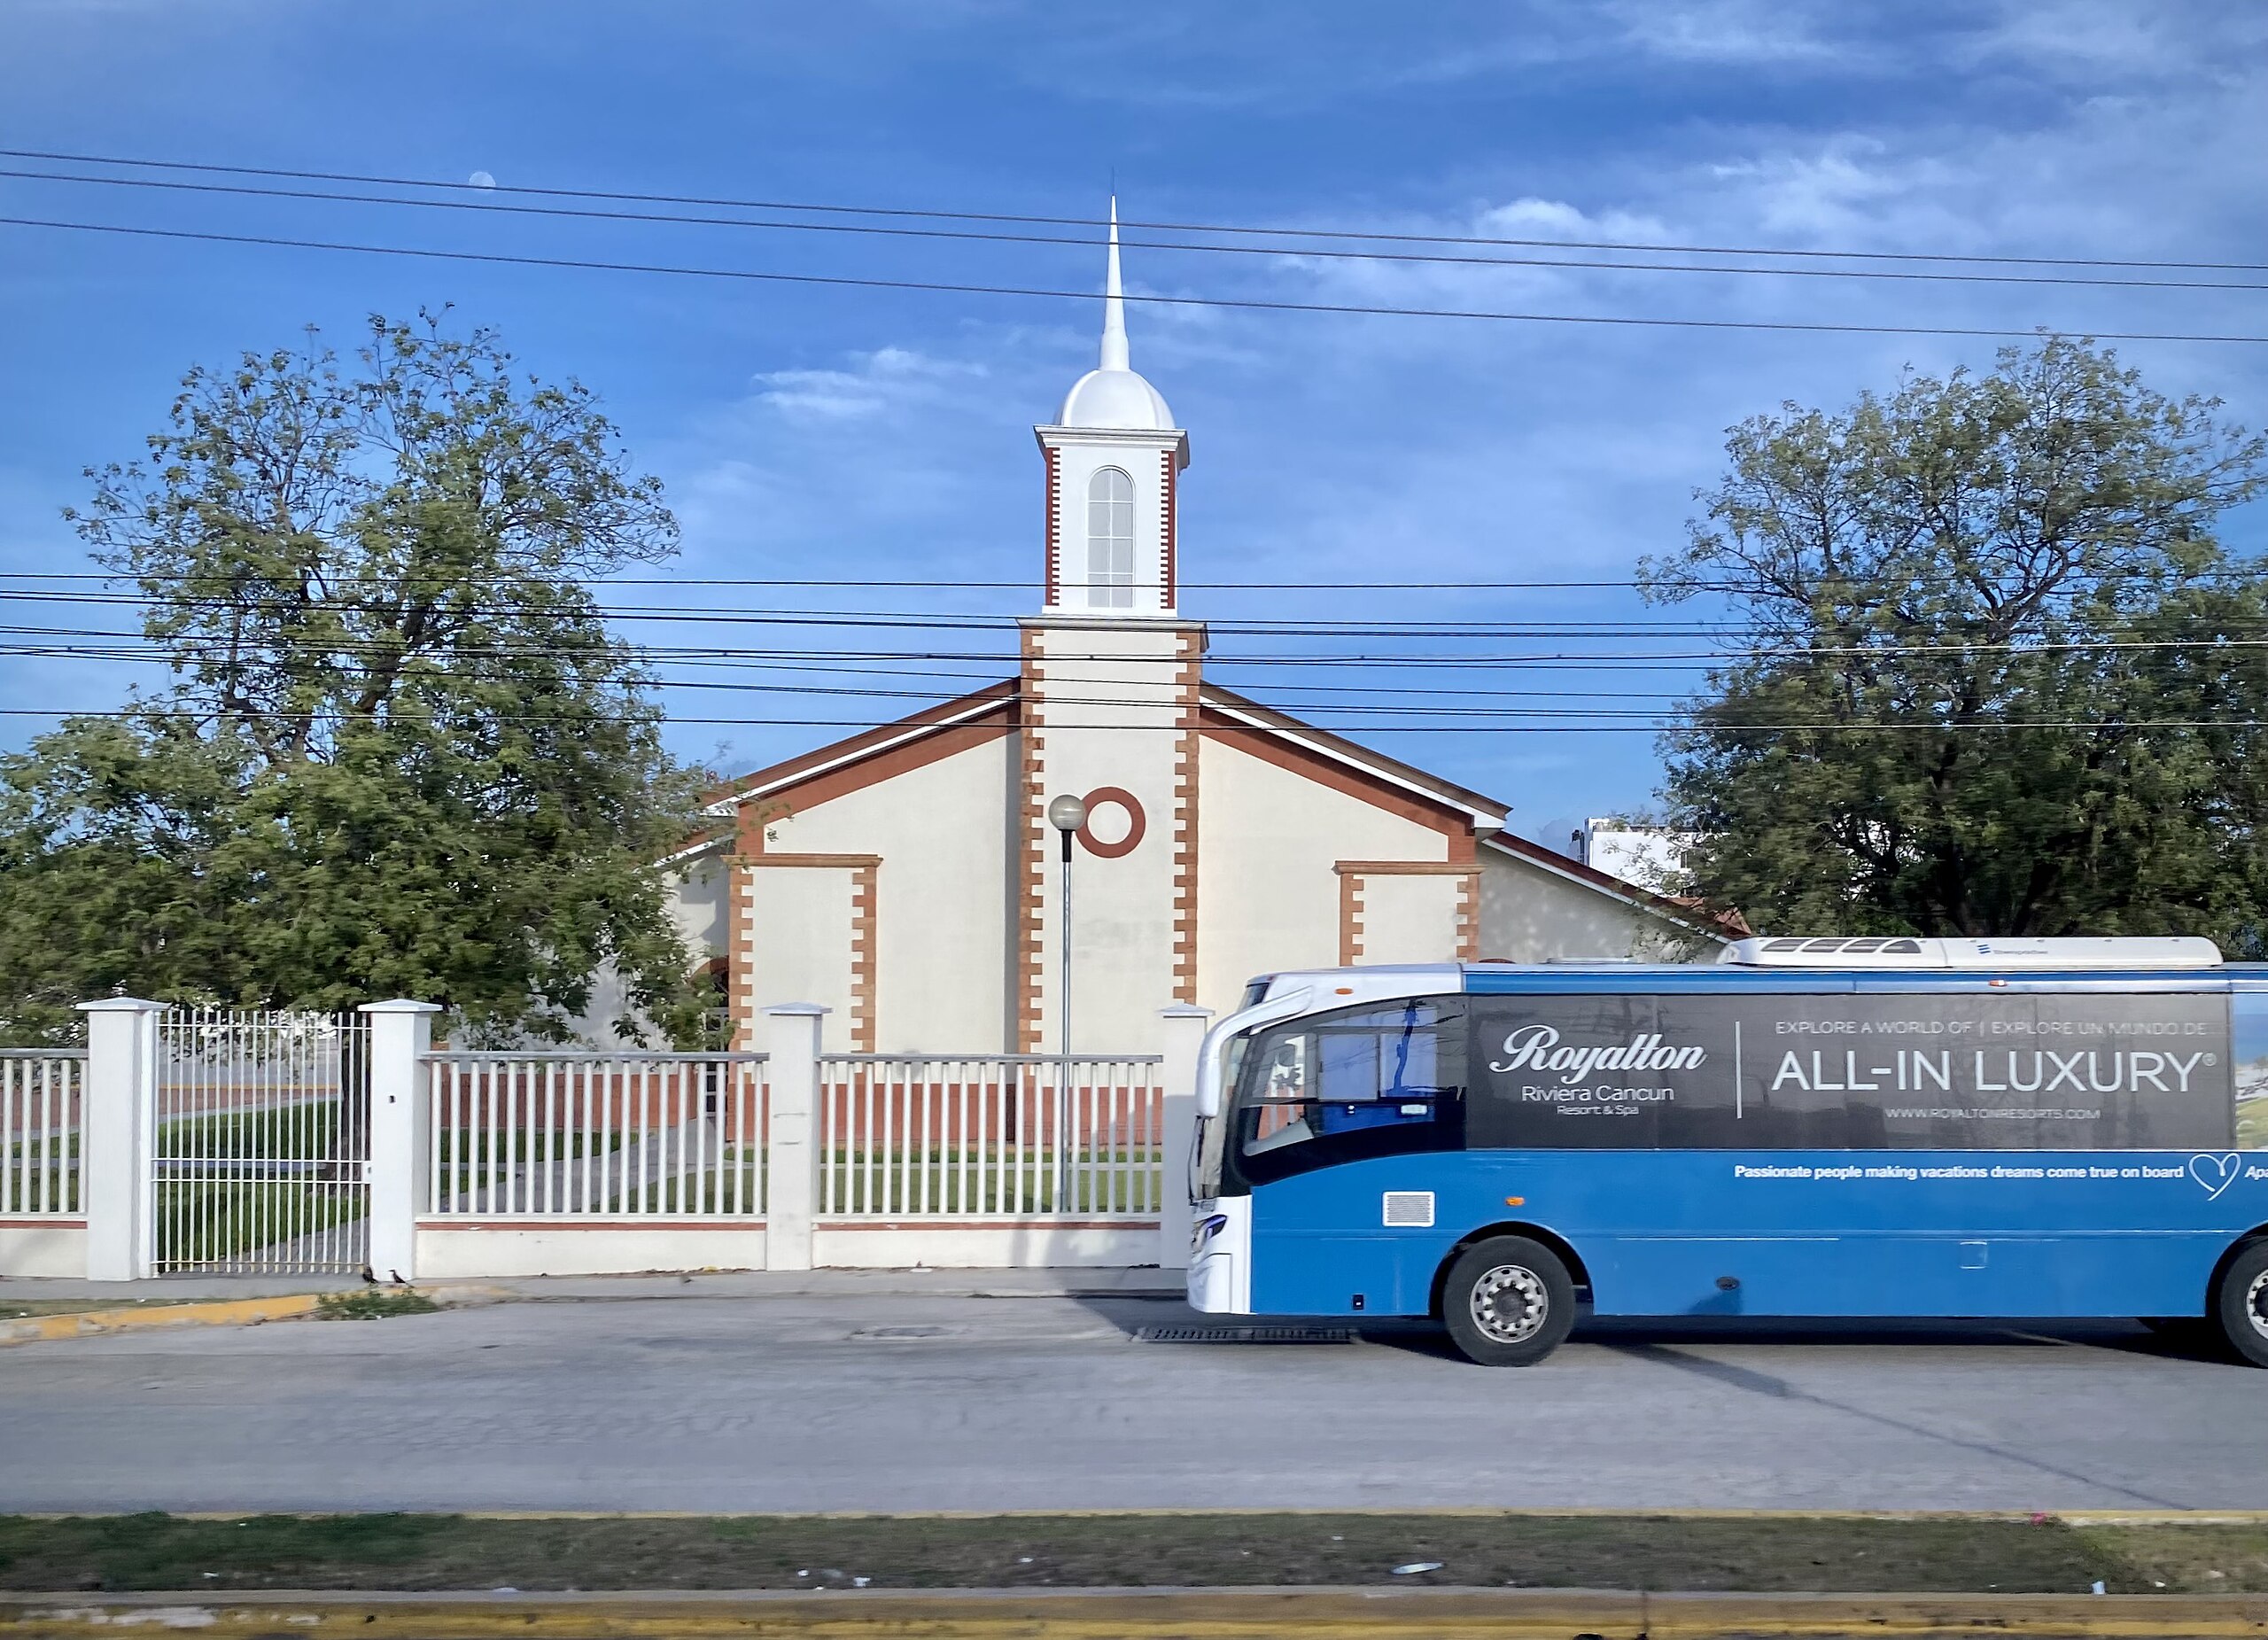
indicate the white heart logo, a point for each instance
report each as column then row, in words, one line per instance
column 2215, row 1173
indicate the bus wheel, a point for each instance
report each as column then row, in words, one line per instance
column 1508, row 1302
column 2242, row 1304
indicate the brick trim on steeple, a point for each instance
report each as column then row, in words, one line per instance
column 1186, row 759
column 1169, row 484
column 1054, row 545
column 1030, row 856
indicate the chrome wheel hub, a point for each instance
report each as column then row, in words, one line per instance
column 2256, row 1304
column 1509, row 1304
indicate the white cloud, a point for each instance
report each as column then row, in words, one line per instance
column 1778, row 33
column 886, row 380
column 2123, row 41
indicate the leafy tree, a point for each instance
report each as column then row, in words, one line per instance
column 1992, row 673
column 400, row 753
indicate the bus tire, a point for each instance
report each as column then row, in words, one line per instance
column 2241, row 1304
column 1508, row 1302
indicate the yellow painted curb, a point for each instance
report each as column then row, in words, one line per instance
column 227, row 1312
column 2078, row 1518
column 1119, row 1615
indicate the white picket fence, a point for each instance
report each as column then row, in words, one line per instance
column 549, row 1135
column 228, row 1140
column 1019, row 1136
column 40, row 1111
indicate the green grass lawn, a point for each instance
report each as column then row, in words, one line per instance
column 23, row 1191
column 1906, row 1555
column 999, row 1181
column 215, row 1202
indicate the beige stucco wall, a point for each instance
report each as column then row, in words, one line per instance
column 697, row 903
column 796, row 945
column 940, row 896
column 1267, row 896
column 1408, row 919
column 948, row 836
column 1531, row 915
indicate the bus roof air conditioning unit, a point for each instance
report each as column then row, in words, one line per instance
column 1999, row 955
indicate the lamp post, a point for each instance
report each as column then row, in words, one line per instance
column 1067, row 814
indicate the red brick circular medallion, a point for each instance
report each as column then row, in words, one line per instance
column 1135, row 823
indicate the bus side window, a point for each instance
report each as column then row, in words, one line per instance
column 1287, row 1081
column 2248, row 1058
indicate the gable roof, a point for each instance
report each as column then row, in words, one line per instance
column 967, row 711
column 1236, row 715
column 1487, row 814
column 1691, row 914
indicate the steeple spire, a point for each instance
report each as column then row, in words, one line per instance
column 1113, row 305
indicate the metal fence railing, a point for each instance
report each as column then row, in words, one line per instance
column 261, row 1164
column 1014, row 1135
column 576, row 1134
column 41, row 1103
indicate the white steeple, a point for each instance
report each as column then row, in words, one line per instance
column 1113, row 456
column 1113, row 304
column 1113, row 395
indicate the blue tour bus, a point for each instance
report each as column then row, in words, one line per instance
column 1808, row 1127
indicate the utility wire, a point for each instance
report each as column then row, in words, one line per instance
column 1279, row 251
column 223, row 578
column 1766, row 651
column 1100, row 222
column 1245, row 304
column 254, row 601
column 948, row 621
column 1209, row 727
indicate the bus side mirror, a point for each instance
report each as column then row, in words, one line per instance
column 1209, row 1092
column 1216, row 1050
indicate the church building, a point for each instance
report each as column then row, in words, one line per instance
column 909, row 877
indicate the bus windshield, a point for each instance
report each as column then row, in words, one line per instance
column 1375, row 1080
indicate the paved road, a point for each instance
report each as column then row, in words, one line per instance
column 710, row 1404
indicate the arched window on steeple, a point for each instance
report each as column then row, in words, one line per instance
column 1110, row 540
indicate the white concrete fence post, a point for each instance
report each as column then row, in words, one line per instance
column 401, row 1132
column 1185, row 1034
column 117, row 1136
column 791, row 1138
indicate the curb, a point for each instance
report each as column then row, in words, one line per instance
column 1118, row 1614
column 213, row 1313
column 219, row 1312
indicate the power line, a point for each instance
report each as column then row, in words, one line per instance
column 2244, row 571
column 1215, row 727
column 828, row 663
column 1756, row 652
column 1784, row 652
column 1033, row 584
column 964, row 236
column 948, row 621
column 1246, row 304
column 251, row 602
column 1098, row 222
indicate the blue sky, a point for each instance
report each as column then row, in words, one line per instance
column 819, row 431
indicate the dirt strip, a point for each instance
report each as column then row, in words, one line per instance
column 1118, row 1614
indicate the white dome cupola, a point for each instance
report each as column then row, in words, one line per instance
column 1112, row 456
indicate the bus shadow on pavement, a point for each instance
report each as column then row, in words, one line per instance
column 1654, row 1336
column 2124, row 1337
